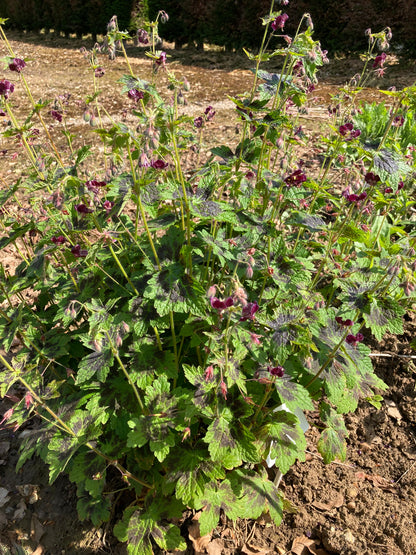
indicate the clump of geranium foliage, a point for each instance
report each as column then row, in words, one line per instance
column 180, row 319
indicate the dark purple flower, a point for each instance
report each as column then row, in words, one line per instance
column 352, row 198
column 99, row 72
column 2, row 113
column 6, row 88
column 161, row 61
column 354, row 339
column 82, row 209
column 17, row 64
column 280, row 21
column 388, row 190
column 278, row 371
column 94, row 185
column 342, row 322
column 398, row 121
column 60, row 240
column 78, row 252
column 221, row 305
column 248, row 311
column 250, row 175
column 142, row 37
column 135, row 95
column 56, row 115
column 379, row 60
column 108, row 205
column 295, row 178
column 199, row 122
column 371, row 178
column 159, row 164
column 400, row 185
column 347, row 130
column 209, row 113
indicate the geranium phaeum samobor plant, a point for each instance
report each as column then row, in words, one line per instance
column 168, row 323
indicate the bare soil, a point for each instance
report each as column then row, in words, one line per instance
column 365, row 506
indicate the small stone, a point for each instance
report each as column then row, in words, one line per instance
column 349, row 537
column 351, row 505
column 352, row 492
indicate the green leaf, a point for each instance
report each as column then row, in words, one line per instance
column 135, row 530
column 332, row 444
column 293, row 394
column 168, row 537
column 222, row 445
column 223, row 152
column 288, row 439
column 97, row 363
column 217, row 498
column 95, row 509
column 82, row 154
column 60, row 451
column 191, row 471
column 257, row 495
column 385, row 314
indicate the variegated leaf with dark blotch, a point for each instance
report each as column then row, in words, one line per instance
column 283, row 334
column 170, row 244
column 80, row 422
column 330, row 335
column 292, row 394
column 60, row 451
column 168, row 537
column 204, row 395
column 312, row 223
column 87, row 465
column 389, row 162
column 384, row 314
column 288, row 440
column 256, row 494
column 332, row 444
column 138, row 535
column 357, row 297
column 96, row 364
column 217, row 498
column 191, row 471
column 8, row 378
column 150, row 194
column 234, row 375
column 206, row 208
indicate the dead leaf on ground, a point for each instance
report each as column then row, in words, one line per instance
column 302, row 545
column 377, row 481
column 199, row 542
column 20, row 511
column 36, row 529
column 38, row 550
column 4, row 496
column 4, row 448
column 215, row 547
column 394, row 412
column 250, row 549
column 335, row 503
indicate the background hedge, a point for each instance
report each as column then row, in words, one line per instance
column 339, row 24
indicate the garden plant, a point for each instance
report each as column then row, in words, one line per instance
column 169, row 323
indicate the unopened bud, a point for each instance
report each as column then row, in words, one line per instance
column 224, row 389
column 249, row 272
column 212, row 290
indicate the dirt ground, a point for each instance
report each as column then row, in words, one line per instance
column 365, row 506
